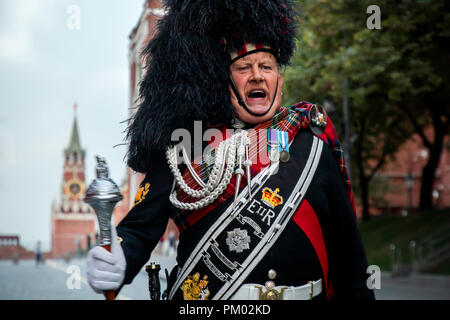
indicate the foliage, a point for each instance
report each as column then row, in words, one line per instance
column 378, row 187
column 382, row 231
column 389, row 75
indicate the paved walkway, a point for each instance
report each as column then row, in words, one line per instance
column 49, row 281
column 414, row 287
column 53, row 280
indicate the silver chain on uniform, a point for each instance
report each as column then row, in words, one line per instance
column 220, row 176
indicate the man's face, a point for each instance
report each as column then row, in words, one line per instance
column 255, row 77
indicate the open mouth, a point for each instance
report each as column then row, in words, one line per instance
column 257, row 93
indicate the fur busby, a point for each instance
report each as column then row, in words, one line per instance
column 186, row 65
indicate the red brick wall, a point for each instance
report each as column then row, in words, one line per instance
column 9, row 252
column 123, row 207
column 66, row 233
column 10, row 248
column 412, row 157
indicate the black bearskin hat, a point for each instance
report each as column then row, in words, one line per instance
column 187, row 61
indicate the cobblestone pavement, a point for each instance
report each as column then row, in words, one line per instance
column 414, row 287
column 52, row 281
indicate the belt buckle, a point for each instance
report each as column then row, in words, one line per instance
column 271, row 294
column 311, row 292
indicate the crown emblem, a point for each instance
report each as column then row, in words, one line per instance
column 271, row 198
column 195, row 289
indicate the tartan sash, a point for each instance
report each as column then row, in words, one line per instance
column 291, row 119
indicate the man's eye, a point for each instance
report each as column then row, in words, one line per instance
column 267, row 67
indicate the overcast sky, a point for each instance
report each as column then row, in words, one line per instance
column 45, row 67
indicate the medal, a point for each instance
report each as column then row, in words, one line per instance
column 274, row 155
column 284, row 146
column 273, row 145
column 278, row 145
column 284, row 156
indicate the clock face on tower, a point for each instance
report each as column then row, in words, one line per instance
column 74, row 188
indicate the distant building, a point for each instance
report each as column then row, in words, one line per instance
column 400, row 179
column 140, row 35
column 10, row 248
column 138, row 38
column 72, row 220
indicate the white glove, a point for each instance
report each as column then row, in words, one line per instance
column 106, row 270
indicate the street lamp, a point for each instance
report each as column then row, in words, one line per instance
column 409, row 185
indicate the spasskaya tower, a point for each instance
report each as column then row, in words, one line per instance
column 73, row 221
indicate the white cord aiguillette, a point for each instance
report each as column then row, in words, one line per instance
column 220, row 176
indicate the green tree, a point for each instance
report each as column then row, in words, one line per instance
column 422, row 30
column 389, row 75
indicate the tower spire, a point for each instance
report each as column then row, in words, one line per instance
column 73, row 222
column 75, row 145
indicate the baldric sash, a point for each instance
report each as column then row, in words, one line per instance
column 243, row 234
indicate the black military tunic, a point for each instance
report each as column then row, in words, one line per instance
column 293, row 256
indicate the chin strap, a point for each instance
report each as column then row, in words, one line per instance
column 242, row 103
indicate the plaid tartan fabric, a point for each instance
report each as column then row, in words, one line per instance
column 291, row 119
column 330, row 136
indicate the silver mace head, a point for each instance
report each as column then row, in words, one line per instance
column 103, row 195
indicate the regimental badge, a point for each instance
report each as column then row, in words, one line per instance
column 195, row 289
column 271, row 198
column 318, row 119
column 238, row 240
column 141, row 193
